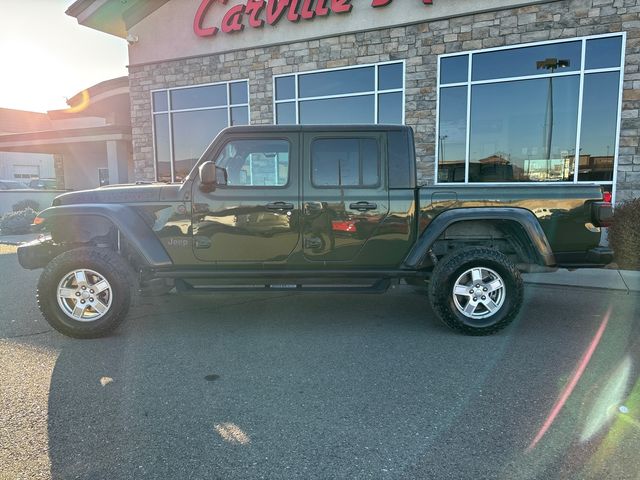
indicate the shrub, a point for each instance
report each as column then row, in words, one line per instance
column 624, row 234
column 17, row 223
column 24, row 204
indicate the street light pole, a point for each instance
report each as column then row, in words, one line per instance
column 550, row 64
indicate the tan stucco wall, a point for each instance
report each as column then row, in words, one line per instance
column 168, row 34
column 81, row 164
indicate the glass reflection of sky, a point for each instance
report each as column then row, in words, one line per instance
column 510, row 119
column 390, row 108
column 348, row 110
column 603, row 52
column 192, row 133
column 518, row 62
column 163, row 155
column 599, row 114
column 453, row 124
column 198, row 97
column 337, row 82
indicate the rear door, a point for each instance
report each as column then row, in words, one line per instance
column 345, row 195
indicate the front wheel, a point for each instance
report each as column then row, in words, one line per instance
column 85, row 292
column 476, row 290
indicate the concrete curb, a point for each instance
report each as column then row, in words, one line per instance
column 598, row 278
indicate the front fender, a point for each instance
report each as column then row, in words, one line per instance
column 127, row 221
column 526, row 219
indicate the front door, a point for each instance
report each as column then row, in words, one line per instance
column 251, row 219
column 345, row 198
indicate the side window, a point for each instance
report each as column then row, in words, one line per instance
column 255, row 163
column 348, row 162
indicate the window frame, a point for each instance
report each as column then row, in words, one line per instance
column 360, row 170
column 376, row 92
column 469, row 83
column 169, row 112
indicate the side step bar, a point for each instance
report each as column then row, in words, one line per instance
column 379, row 286
column 284, row 275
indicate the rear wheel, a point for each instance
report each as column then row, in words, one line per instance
column 85, row 292
column 476, row 290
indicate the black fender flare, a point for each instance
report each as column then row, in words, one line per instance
column 525, row 218
column 126, row 220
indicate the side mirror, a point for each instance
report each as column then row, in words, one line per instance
column 211, row 176
column 208, row 174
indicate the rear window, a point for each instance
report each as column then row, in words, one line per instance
column 346, row 162
column 401, row 159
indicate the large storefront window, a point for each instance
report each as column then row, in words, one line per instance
column 187, row 119
column 541, row 113
column 354, row 95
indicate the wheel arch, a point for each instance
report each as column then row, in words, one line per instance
column 85, row 223
column 519, row 225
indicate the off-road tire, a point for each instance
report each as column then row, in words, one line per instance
column 110, row 266
column 448, row 270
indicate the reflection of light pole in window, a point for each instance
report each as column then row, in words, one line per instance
column 550, row 64
column 442, row 141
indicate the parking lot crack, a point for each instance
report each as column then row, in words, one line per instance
column 28, row 334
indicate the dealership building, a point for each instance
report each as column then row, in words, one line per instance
column 497, row 92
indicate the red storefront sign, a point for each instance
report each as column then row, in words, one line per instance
column 255, row 13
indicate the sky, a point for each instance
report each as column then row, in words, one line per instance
column 47, row 57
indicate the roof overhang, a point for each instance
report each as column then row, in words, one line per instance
column 115, row 17
column 57, row 141
column 102, row 99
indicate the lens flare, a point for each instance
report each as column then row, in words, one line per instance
column 84, row 103
column 566, row 393
column 609, row 401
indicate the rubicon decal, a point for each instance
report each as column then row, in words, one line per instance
column 255, row 13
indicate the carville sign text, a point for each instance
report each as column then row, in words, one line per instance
column 255, row 13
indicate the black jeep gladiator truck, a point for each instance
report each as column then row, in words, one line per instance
column 309, row 208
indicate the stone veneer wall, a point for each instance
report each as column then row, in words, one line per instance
column 419, row 45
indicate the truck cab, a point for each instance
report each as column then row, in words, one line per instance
column 300, row 197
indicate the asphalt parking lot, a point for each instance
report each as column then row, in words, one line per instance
column 321, row 386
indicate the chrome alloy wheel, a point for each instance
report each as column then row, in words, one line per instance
column 479, row 293
column 84, row 295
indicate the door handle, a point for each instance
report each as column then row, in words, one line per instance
column 201, row 242
column 279, row 206
column 363, row 206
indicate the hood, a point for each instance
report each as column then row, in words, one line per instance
column 134, row 193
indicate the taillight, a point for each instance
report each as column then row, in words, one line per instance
column 606, row 197
column 601, row 214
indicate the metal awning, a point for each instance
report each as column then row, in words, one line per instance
column 112, row 16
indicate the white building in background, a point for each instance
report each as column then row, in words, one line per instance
column 24, row 166
column 85, row 146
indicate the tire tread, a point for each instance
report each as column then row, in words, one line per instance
column 108, row 262
column 447, row 267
